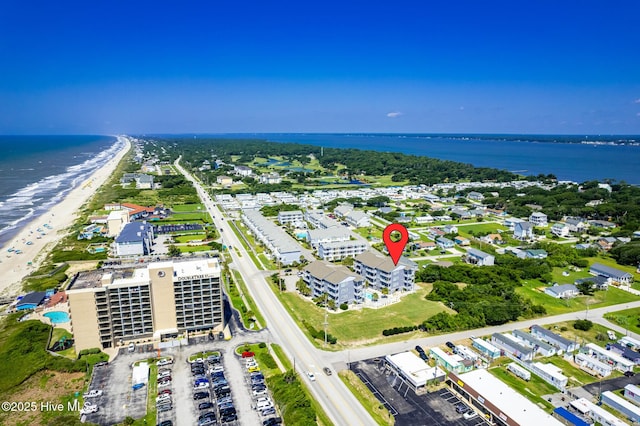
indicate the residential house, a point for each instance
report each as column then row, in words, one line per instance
column 444, row 243
column 454, row 362
column 592, row 365
column 550, row 374
column 605, row 243
column 531, row 341
column 292, row 216
column 421, row 220
column 565, row 291
column 485, row 348
column 560, row 230
column 598, row 282
column 629, row 342
column 475, row 196
column 243, row 171
column 562, row 343
column 338, row 250
column 616, row 275
column 609, row 357
column 450, row 229
column 538, row 219
column 380, row 271
column 535, row 254
column 434, row 233
column 424, row 245
column 511, row 222
column 135, row 239
column 492, row 239
column 625, row 352
column 343, row 209
column 335, row 281
column 225, row 181
column 576, row 224
column 272, row 178
column 523, row 231
column 358, row 219
column 603, row 224
column 480, row 258
column 461, row 241
column 510, row 345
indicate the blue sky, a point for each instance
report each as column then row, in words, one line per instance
column 350, row 66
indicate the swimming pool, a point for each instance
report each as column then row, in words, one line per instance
column 57, row 317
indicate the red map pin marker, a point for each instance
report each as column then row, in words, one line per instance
column 395, row 248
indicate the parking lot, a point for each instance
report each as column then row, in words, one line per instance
column 118, row 399
column 437, row 408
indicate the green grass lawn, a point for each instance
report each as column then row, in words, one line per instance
column 265, row 361
column 364, row 326
column 192, row 249
column 238, row 303
column 187, row 208
column 532, row 390
column 480, row 227
column 193, row 216
column 628, row 318
column 189, row 238
column 59, row 333
column 571, row 278
column 612, row 296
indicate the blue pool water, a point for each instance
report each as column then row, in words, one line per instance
column 57, row 317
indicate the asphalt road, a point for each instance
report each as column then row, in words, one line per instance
column 335, row 398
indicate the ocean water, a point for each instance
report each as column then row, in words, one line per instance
column 567, row 157
column 38, row 171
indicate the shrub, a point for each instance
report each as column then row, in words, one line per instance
column 584, row 325
column 344, row 306
column 262, row 345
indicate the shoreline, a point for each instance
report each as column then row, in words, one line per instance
column 59, row 217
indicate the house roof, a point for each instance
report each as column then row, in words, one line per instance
column 597, row 280
column 551, row 335
column 559, row 289
column 383, row 263
column 477, row 253
column 524, row 226
column 334, row 274
column 608, row 271
column 133, row 232
column 33, row 298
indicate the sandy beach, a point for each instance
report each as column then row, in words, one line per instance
column 14, row 267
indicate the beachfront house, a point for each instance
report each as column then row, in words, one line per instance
column 135, row 239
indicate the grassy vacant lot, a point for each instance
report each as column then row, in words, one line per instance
column 481, row 227
column 629, row 319
column 182, row 208
column 612, row 296
column 532, row 390
column 571, row 278
column 364, row 326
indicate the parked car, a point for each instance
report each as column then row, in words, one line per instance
column 419, row 349
column 259, row 392
column 272, row 421
column 629, row 373
column 164, row 361
column 268, row 411
column 200, row 395
column 93, row 393
column 165, row 407
column 205, row 405
column 461, row 408
column 450, row 345
column 470, row 415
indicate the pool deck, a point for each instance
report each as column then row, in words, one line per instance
column 60, row 307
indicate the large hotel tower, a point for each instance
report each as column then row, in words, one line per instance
column 162, row 299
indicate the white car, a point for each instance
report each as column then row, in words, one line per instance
column 163, row 397
column 93, row 393
column 470, row 414
column 311, row 376
column 164, row 361
column 88, row 409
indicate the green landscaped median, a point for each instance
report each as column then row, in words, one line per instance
column 364, row 326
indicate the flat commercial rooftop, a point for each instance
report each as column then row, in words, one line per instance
column 510, row 403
